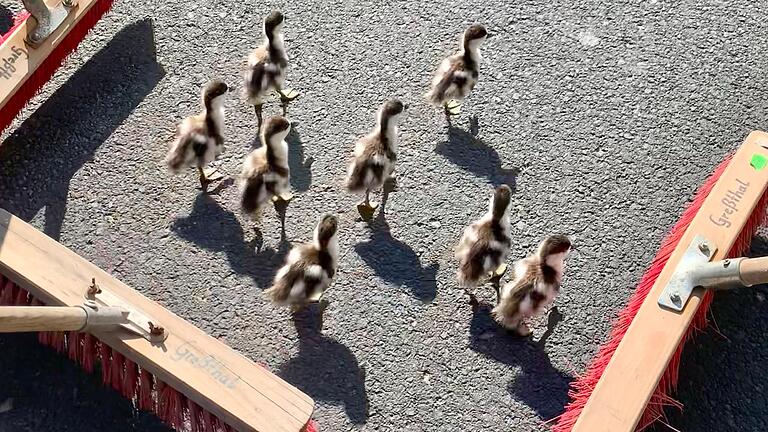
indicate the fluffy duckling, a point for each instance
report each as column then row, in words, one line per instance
column 266, row 173
column 309, row 268
column 200, row 138
column 535, row 286
column 374, row 157
column 267, row 66
column 485, row 244
column 458, row 73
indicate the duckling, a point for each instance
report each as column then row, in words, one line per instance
column 374, row 157
column 536, row 284
column 266, row 173
column 485, row 244
column 309, row 268
column 200, row 138
column 458, row 73
column 267, row 67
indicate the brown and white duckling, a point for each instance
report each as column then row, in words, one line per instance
column 536, row 284
column 485, row 244
column 458, row 73
column 266, row 173
column 375, row 154
column 309, row 268
column 267, row 67
column 200, row 138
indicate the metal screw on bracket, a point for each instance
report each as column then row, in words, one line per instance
column 674, row 296
column 68, row 3
column 726, row 263
column 704, row 248
column 93, row 289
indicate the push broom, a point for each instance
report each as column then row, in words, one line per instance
column 39, row 42
column 630, row 381
column 162, row 363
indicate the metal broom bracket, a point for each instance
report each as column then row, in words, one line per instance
column 47, row 19
column 133, row 320
column 695, row 270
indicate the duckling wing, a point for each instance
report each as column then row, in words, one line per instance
column 190, row 143
column 370, row 166
column 451, row 73
column 301, row 279
column 514, row 304
column 253, row 187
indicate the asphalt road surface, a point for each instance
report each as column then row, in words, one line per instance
column 605, row 119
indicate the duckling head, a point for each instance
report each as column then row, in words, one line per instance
column 500, row 204
column 474, row 36
column 275, row 130
column 325, row 233
column 553, row 251
column 213, row 93
column 391, row 112
column 273, row 25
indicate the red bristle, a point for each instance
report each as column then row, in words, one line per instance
column 207, row 421
column 74, row 345
column 46, row 69
column 145, row 390
column 161, row 398
column 88, row 357
column 116, row 370
column 218, row 425
column 44, row 338
column 8, row 293
column 130, row 379
column 21, row 298
column 194, row 416
column 582, row 388
column 56, row 341
column 105, row 353
column 172, row 407
column 311, row 426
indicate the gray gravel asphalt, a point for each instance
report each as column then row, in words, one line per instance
column 605, row 117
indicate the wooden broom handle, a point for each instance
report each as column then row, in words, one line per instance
column 41, row 318
column 754, row 271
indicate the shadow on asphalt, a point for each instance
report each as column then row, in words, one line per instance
column 212, row 227
column 468, row 152
column 80, row 115
column 326, row 369
column 539, row 385
column 714, row 364
column 50, row 393
column 301, row 168
column 394, row 261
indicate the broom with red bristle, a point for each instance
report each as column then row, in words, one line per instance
column 584, row 386
column 43, row 72
column 126, row 377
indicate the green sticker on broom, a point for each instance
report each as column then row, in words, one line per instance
column 758, row 161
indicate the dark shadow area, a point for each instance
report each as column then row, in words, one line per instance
column 50, row 393
column 723, row 380
column 326, row 369
column 539, row 385
column 40, row 157
column 215, row 228
column 471, row 154
column 396, row 262
column 6, row 20
column 301, row 168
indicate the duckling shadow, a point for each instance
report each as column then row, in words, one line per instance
column 27, row 370
column 396, row 262
column 539, row 385
column 214, row 228
column 326, row 370
column 6, row 19
column 41, row 156
column 472, row 154
column 301, row 169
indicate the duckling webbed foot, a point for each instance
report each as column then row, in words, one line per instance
column 366, row 209
column 286, row 96
column 208, row 176
column 452, row 108
column 285, row 197
column 258, row 108
column 495, row 279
